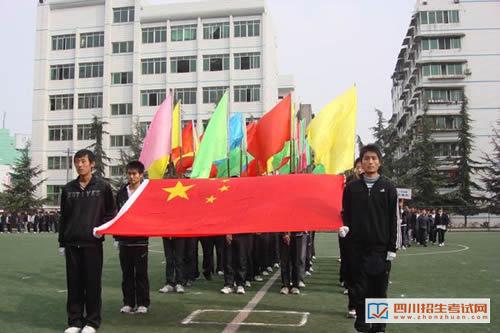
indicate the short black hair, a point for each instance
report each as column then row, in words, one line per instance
column 371, row 148
column 356, row 161
column 85, row 152
column 136, row 165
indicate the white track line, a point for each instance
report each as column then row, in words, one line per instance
column 242, row 315
column 190, row 319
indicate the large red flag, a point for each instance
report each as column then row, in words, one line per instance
column 272, row 131
column 205, row 207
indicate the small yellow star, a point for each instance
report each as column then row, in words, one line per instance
column 224, row 188
column 211, row 199
column 179, row 190
column 225, row 180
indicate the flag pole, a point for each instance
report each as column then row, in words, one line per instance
column 180, row 137
column 228, row 138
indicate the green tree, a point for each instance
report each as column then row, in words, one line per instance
column 425, row 177
column 462, row 197
column 132, row 153
column 382, row 134
column 491, row 173
column 101, row 158
column 20, row 195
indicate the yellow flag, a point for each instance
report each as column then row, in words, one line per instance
column 331, row 134
column 176, row 126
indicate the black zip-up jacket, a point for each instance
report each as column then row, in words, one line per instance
column 371, row 215
column 83, row 210
column 121, row 199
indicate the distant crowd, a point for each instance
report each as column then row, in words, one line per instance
column 39, row 221
column 422, row 225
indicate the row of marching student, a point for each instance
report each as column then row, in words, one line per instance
column 88, row 201
column 27, row 222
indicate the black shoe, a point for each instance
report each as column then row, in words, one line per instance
column 207, row 276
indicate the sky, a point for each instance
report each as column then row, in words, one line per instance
column 327, row 45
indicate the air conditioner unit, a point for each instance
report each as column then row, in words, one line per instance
column 456, row 1
column 467, row 71
column 424, row 2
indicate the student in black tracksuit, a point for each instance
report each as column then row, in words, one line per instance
column 133, row 252
column 370, row 217
column 292, row 261
column 235, row 263
column 86, row 202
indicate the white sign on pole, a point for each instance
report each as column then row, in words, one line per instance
column 404, row 193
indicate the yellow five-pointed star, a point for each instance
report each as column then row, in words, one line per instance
column 224, row 188
column 178, row 190
column 211, row 199
column 225, row 180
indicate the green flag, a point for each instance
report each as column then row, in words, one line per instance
column 319, row 169
column 213, row 147
column 236, row 160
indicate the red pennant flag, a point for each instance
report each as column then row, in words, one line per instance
column 206, row 207
column 272, row 131
column 186, row 161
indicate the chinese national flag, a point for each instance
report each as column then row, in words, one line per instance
column 206, row 207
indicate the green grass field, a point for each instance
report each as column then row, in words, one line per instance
column 32, row 289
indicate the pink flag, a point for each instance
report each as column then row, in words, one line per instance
column 157, row 147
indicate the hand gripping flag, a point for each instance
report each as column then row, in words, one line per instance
column 206, row 207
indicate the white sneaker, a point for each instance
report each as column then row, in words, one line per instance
column 308, row 273
column 269, row 269
column 89, row 329
column 73, row 329
column 127, row 309
column 220, row 273
column 276, row 265
column 295, row 291
column 313, row 258
column 351, row 314
column 227, row 290
column 311, row 269
column 179, row 288
column 258, row 278
column 240, row 290
column 346, row 292
column 142, row 309
column 248, row 284
column 284, row 291
column 265, row 273
column 166, row 289
column 302, row 284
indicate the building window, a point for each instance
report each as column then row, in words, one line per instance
column 92, row 39
column 63, row 42
column 216, row 30
column 120, row 140
column 154, row 66
column 152, row 97
column 121, row 78
column 60, row 133
column 123, row 14
column 441, row 43
column 247, row 28
column 446, row 123
column 247, row 93
column 439, row 16
column 442, row 69
column 247, row 60
column 123, row 47
column 62, row 72
column 61, row 102
column 446, row 149
column 444, row 95
column 58, row 163
column 84, row 132
column 215, row 62
column 116, row 171
column 54, row 194
column 121, row 109
column 183, row 64
column 183, row 32
column 213, row 94
column 154, row 35
column 90, row 69
column 185, row 95
column 90, row 101
column 143, row 128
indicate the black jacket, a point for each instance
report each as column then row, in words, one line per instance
column 371, row 215
column 83, row 210
column 121, row 199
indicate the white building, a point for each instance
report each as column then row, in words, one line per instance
column 117, row 59
column 451, row 50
